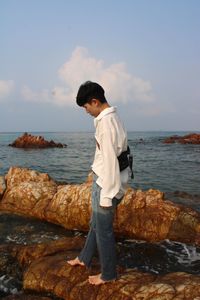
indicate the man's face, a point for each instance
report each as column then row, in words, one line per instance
column 92, row 108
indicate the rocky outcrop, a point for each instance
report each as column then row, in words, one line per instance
column 45, row 269
column 31, row 141
column 142, row 215
column 192, row 138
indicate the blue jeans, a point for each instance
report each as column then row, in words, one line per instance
column 101, row 236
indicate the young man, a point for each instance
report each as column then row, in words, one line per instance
column 109, row 182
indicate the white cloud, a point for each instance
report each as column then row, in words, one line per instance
column 6, row 87
column 118, row 83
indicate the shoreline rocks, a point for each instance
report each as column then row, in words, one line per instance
column 192, row 138
column 45, row 270
column 143, row 215
column 31, row 141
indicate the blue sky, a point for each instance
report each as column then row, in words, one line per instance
column 146, row 54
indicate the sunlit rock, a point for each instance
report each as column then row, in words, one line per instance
column 17, row 175
column 28, row 192
column 192, row 138
column 71, row 206
column 31, row 141
column 141, row 214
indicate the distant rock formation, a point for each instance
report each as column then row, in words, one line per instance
column 141, row 214
column 31, row 141
column 192, row 138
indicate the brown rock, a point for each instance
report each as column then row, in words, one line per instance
column 28, row 192
column 192, row 138
column 71, row 205
column 2, row 186
column 51, row 273
column 16, row 175
column 31, row 141
column 142, row 215
column 27, row 254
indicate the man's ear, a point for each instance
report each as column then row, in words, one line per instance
column 95, row 102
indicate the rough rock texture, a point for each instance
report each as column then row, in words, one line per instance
column 31, row 141
column 27, row 254
column 192, row 138
column 27, row 189
column 142, row 215
column 2, row 185
column 46, row 270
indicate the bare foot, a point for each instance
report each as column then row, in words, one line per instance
column 97, row 280
column 75, row 262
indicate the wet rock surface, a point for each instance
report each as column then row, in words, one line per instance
column 31, row 141
column 10, row 273
column 142, row 214
column 192, row 138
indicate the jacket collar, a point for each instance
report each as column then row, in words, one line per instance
column 104, row 112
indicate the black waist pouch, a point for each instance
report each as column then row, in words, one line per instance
column 126, row 160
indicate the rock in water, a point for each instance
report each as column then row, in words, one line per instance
column 192, row 138
column 31, row 141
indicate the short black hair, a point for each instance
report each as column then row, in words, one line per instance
column 89, row 90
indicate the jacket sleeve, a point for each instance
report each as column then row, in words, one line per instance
column 111, row 180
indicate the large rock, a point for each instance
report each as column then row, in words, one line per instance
column 46, row 270
column 31, row 141
column 142, row 215
column 192, row 138
column 28, row 192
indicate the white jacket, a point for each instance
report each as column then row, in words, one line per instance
column 111, row 141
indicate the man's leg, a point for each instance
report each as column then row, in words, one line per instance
column 106, row 245
column 85, row 257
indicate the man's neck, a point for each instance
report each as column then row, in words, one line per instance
column 104, row 106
